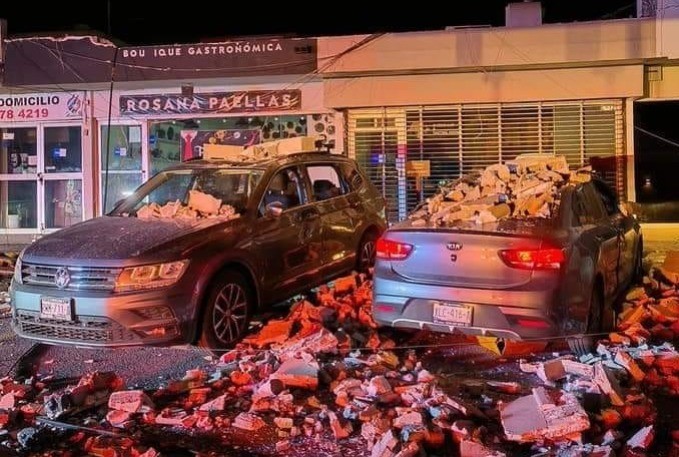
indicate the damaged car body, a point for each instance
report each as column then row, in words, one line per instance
column 516, row 276
column 195, row 251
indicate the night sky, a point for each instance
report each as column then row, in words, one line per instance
column 139, row 22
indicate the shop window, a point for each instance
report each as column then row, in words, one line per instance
column 19, row 204
column 18, row 151
column 124, row 147
column 63, row 149
column 173, row 141
column 63, row 203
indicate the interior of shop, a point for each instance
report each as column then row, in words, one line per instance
column 172, row 141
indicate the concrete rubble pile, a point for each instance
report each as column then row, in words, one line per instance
column 602, row 399
column 527, row 187
column 199, row 206
column 324, row 374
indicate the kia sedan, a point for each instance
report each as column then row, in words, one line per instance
column 513, row 278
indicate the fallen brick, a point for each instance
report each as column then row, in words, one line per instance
column 7, row 401
column 319, row 342
column 339, row 429
column 385, row 446
column 283, row 422
column 642, row 439
column 505, row 387
column 378, row 385
column 275, row 331
column 412, row 418
column 607, row 383
column 248, row 421
column 577, row 368
column 551, row 370
column 469, row 448
column 610, row 419
column 623, row 359
column 345, row 284
column 668, row 363
column 282, row 446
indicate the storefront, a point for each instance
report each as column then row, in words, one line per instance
column 395, row 144
column 151, row 130
column 43, row 152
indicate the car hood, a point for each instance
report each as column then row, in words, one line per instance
column 113, row 238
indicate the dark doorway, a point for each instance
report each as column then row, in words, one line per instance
column 656, row 143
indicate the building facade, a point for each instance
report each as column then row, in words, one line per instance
column 91, row 121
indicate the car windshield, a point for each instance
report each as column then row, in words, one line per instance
column 192, row 193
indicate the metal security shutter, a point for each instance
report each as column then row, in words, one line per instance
column 377, row 140
column 457, row 139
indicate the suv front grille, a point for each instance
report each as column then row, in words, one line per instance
column 82, row 278
column 85, row 329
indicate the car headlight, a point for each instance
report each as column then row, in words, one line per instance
column 150, row 276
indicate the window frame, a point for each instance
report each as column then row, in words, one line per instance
column 344, row 188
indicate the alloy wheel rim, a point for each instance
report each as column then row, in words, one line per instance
column 368, row 254
column 229, row 313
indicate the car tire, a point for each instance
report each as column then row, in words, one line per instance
column 365, row 256
column 228, row 310
column 586, row 343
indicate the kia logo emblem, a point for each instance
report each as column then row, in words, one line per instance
column 62, row 277
column 454, row 246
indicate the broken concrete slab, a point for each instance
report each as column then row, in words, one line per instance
column 132, row 401
column 248, row 421
column 543, row 415
column 642, row 439
column 298, row 373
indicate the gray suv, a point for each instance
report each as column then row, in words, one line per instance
column 196, row 250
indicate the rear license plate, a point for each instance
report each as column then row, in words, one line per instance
column 448, row 313
column 56, row 308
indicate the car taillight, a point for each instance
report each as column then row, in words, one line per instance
column 533, row 259
column 392, row 250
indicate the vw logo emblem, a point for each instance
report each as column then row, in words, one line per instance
column 454, row 246
column 62, row 277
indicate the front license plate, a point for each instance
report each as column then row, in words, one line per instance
column 56, row 308
column 447, row 313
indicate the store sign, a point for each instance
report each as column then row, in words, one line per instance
column 78, row 59
column 47, row 106
column 212, row 103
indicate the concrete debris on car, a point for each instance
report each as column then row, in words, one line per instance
column 200, row 206
column 526, row 187
column 325, row 373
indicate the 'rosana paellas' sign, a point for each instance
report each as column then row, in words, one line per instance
column 212, row 103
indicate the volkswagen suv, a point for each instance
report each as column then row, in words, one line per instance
column 196, row 250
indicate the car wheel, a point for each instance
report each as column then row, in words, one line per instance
column 586, row 343
column 366, row 252
column 228, row 311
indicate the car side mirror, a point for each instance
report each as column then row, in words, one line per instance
column 274, row 209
